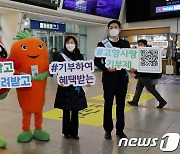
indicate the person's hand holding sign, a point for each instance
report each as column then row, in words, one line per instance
column 110, row 69
column 132, row 70
column 62, row 85
column 88, row 85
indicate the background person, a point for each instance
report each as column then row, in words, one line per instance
column 55, row 56
column 148, row 80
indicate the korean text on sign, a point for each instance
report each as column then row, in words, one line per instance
column 115, row 52
column 118, row 64
column 118, row 58
column 76, row 80
column 72, row 67
column 15, row 81
column 6, row 67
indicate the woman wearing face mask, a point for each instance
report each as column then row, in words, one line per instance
column 70, row 99
column 114, row 82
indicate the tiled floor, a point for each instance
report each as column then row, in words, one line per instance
column 144, row 121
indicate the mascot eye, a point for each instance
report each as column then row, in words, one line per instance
column 0, row 49
column 24, row 47
column 40, row 46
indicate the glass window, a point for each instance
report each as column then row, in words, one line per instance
column 83, row 30
column 149, row 38
column 72, row 28
column 83, row 45
column 160, row 37
column 58, row 41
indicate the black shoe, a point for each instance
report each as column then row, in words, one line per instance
column 121, row 135
column 66, row 136
column 132, row 103
column 107, row 135
column 75, row 137
column 161, row 105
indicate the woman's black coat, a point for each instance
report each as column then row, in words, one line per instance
column 68, row 98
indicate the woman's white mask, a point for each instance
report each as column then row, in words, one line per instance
column 114, row 32
column 70, row 47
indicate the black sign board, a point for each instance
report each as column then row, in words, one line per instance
column 52, row 4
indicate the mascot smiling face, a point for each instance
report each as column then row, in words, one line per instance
column 30, row 51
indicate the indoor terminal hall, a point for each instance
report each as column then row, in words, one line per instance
column 89, row 77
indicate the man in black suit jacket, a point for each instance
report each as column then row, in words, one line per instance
column 115, row 83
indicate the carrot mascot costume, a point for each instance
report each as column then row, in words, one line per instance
column 31, row 53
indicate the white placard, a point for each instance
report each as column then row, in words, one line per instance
column 146, row 59
column 76, row 73
column 150, row 60
column 118, row 58
column 8, row 80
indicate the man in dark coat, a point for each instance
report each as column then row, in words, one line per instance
column 115, row 83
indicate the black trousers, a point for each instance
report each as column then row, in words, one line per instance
column 70, row 123
column 118, row 90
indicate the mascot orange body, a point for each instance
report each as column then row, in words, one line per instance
column 31, row 52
